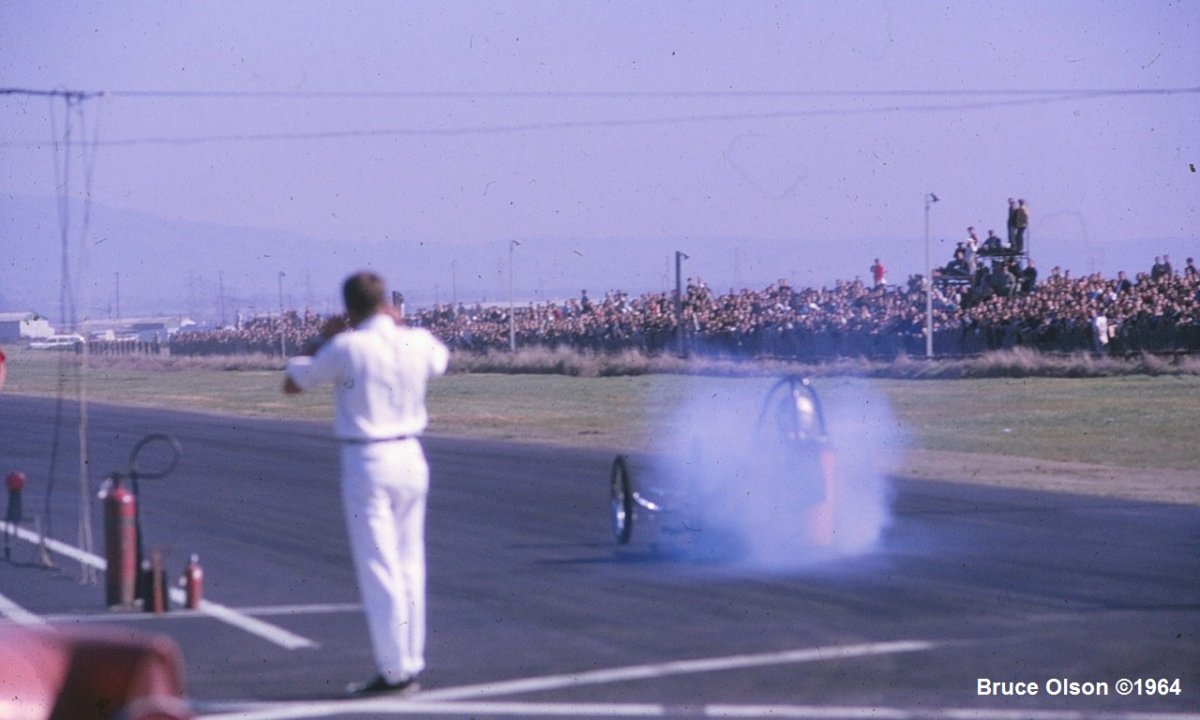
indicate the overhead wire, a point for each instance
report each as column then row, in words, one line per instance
column 985, row 99
column 596, row 94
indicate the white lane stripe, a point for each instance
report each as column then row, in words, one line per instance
column 802, row 712
column 18, row 614
column 682, row 667
column 274, row 633
column 266, row 631
column 58, row 547
column 374, row 708
column 311, row 609
column 810, row 713
column 181, row 614
column 418, row 706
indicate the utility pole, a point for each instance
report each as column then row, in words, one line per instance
column 930, row 199
column 679, row 330
column 512, row 319
column 221, row 295
column 282, row 341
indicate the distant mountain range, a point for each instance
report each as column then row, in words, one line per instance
column 141, row 264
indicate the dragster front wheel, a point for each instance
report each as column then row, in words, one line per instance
column 621, row 500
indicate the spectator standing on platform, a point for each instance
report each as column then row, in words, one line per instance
column 879, row 273
column 1189, row 270
column 1020, row 225
column 1012, row 222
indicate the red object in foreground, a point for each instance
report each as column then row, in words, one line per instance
column 15, row 481
column 193, row 583
column 66, row 674
column 120, row 547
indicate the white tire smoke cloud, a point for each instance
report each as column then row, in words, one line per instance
column 742, row 492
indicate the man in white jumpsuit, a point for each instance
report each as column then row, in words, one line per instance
column 379, row 369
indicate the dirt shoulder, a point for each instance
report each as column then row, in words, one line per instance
column 1150, row 485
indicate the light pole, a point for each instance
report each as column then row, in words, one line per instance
column 930, row 199
column 221, row 295
column 282, row 348
column 679, row 258
column 512, row 320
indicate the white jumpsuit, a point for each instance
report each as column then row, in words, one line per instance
column 379, row 372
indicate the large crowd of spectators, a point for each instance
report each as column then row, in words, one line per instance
column 1155, row 312
column 271, row 335
column 1158, row 310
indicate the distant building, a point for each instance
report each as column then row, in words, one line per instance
column 145, row 329
column 23, row 326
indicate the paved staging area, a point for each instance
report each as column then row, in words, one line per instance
column 535, row 612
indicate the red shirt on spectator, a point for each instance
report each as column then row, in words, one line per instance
column 877, row 272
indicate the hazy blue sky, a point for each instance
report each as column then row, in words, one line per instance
column 764, row 139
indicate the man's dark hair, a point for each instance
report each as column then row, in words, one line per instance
column 363, row 293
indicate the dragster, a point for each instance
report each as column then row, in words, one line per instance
column 786, row 470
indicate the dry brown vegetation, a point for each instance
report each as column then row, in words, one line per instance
column 1016, row 363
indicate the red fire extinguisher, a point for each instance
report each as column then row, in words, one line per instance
column 193, row 582
column 15, row 482
column 120, row 543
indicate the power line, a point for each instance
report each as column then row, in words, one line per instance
column 581, row 94
column 67, row 94
column 1013, row 98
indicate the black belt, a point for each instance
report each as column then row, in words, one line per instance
column 368, row 441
